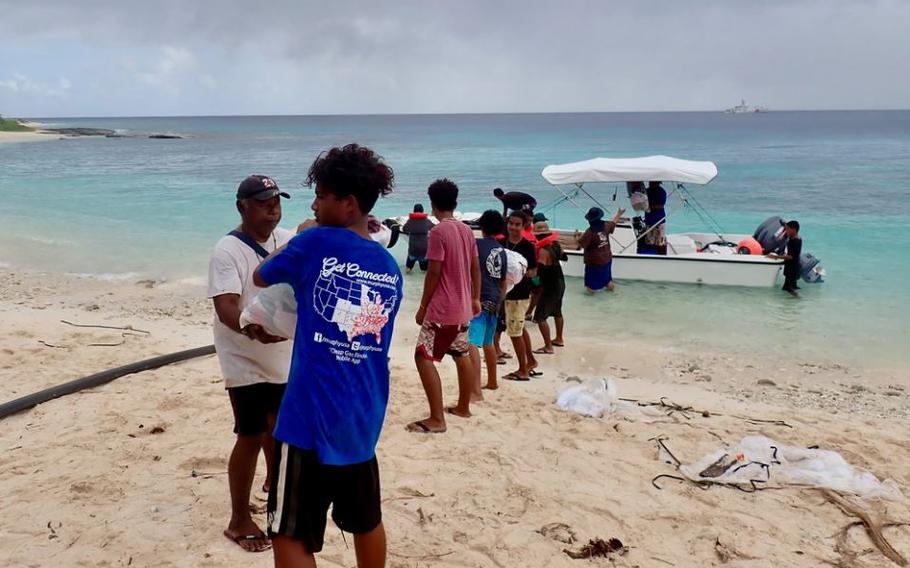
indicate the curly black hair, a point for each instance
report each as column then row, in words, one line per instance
column 352, row 170
column 491, row 222
column 443, row 194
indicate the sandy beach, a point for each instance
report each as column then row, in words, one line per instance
column 133, row 472
column 11, row 137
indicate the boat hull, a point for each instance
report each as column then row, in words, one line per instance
column 698, row 268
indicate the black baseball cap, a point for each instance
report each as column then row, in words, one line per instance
column 793, row 224
column 259, row 188
column 538, row 217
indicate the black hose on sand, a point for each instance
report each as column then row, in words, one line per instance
column 101, row 378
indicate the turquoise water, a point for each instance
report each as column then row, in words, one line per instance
column 133, row 206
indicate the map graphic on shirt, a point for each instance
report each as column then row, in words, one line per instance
column 357, row 309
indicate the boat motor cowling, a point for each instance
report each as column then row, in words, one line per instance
column 770, row 234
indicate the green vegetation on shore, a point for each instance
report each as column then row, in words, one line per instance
column 12, row 125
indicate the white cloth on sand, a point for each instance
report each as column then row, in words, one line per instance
column 762, row 462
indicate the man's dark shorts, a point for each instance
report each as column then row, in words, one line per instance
column 253, row 404
column 302, row 490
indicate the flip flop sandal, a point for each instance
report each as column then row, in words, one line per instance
column 505, row 356
column 248, row 537
column 558, row 344
column 515, row 377
column 500, row 361
column 535, row 373
column 542, row 351
column 420, row 427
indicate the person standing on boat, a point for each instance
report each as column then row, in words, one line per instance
column 552, row 287
column 791, row 257
column 598, row 256
column 417, row 227
column 253, row 363
column 515, row 201
column 656, row 219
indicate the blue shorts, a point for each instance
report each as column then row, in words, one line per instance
column 482, row 329
column 597, row 277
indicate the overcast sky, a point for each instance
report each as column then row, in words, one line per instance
column 212, row 57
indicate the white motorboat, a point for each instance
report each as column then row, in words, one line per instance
column 696, row 258
column 714, row 257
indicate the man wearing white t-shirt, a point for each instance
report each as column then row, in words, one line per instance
column 254, row 363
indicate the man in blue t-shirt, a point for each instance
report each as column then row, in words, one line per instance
column 348, row 291
column 482, row 329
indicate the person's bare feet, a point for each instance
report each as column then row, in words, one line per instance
column 453, row 410
column 248, row 536
column 490, row 387
column 426, row 426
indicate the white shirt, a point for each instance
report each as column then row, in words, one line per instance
column 245, row 361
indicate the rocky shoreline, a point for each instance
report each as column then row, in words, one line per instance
column 107, row 133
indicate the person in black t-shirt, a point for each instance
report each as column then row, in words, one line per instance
column 515, row 201
column 791, row 258
column 519, row 298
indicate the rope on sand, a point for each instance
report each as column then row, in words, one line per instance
column 98, row 379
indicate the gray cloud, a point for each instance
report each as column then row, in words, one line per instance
column 434, row 56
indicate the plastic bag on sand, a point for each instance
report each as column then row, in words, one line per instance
column 766, row 463
column 275, row 309
column 596, row 398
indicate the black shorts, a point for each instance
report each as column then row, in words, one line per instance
column 302, row 490
column 253, row 405
column 548, row 306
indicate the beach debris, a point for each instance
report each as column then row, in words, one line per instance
column 758, row 463
column 157, row 430
column 117, row 327
column 867, row 519
column 421, row 556
column 726, row 552
column 46, row 344
column 53, row 534
column 560, row 532
column 206, row 474
column 598, row 547
column 766, row 382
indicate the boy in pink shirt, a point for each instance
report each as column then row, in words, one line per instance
column 451, row 298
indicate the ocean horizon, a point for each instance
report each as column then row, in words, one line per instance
column 134, row 207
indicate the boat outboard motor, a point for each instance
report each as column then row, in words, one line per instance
column 770, row 234
column 810, row 269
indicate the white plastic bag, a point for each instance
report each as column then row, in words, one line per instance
column 275, row 309
column 590, row 398
column 516, row 266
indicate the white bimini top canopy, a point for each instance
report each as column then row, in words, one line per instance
column 649, row 168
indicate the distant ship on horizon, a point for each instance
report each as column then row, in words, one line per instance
column 743, row 108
